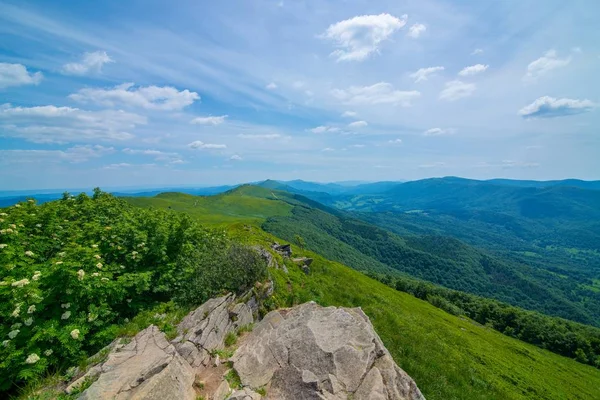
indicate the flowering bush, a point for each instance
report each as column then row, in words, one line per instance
column 72, row 270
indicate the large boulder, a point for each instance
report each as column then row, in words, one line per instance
column 148, row 367
column 205, row 328
column 311, row 352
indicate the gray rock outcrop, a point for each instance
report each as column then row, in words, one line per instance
column 306, row 352
column 311, row 352
column 148, row 367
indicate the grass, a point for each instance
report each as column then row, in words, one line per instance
column 449, row 357
column 247, row 204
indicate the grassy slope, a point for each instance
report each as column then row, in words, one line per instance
column 246, row 204
column 449, row 357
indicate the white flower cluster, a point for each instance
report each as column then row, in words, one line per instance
column 31, row 309
column 75, row 334
column 80, row 274
column 65, row 315
column 32, row 358
column 21, row 283
column 65, row 305
column 29, row 253
column 36, row 275
column 3, row 245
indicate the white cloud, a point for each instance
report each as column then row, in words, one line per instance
column 545, row 64
column 259, row 136
column 298, row 85
column 201, row 145
column 455, row 90
column 118, row 166
column 518, row 164
column 74, row 155
column 209, row 120
column 473, row 70
column 150, row 97
column 66, row 124
column 550, row 107
column 433, row 165
column 477, row 51
column 17, row 75
column 416, row 30
column 358, row 146
column 349, row 114
column 235, row 157
column 359, row 37
column 423, row 73
column 173, row 158
column 323, row 129
column 379, row 93
column 271, row 86
column 357, row 124
column 438, row 132
column 90, row 62
column 395, row 141
column 327, row 149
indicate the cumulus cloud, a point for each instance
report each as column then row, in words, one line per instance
column 545, row 64
column 74, row 155
column 66, row 124
column 473, row 70
column 348, row 114
column 357, row 38
column 395, row 141
column 259, row 136
column 455, row 90
column 201, row 145
column 416, row 30
column 90, row 63
column 357, row 124
column 164, row 98
column 424, row 73
column 235, row 157
column 327, row 149
column 550, row 107
column 17, row 75
column 271, row 86
column 438, row 132
column 358, row 146
column 379, row 93
column 209, row 120
column 323, row 129
column 477, row 51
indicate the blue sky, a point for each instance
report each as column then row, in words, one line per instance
column 138, row 93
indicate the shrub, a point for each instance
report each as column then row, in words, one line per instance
column 74, row 270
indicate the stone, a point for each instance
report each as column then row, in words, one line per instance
column 222, row 391
column 148, row 367
column 245, row 394
column 312, row 352
column 241, row 314
column 204, row 330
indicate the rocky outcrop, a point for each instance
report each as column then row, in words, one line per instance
column 148, row 367
column 311, row 352
column 305, row 352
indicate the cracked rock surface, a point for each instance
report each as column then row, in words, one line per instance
column 148, row 367
column 312, row 352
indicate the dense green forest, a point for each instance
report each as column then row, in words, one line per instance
column 77, row 271
column 442, row 260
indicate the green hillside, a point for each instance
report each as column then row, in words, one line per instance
column 449, row 357
column 247, row 203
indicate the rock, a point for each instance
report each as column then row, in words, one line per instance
column 267, row 256
column 306, row 269
column 148, row 367
column 222, row 391
column 204, row 330
column 303, row 261
column 244, row 394
column 311, row 352
column 241, row 315
column 283, row 249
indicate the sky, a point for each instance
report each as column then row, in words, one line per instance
column 148, row 93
